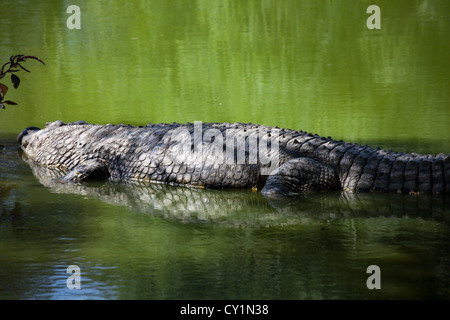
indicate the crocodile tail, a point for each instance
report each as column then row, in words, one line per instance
column 427, row 174
column 446, row 175
column 440, row 174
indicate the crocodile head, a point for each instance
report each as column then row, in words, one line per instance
column 30, row 139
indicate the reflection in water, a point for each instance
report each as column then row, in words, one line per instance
column 245, row 207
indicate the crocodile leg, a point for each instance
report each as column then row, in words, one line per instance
column 298, row 176
column 88, row 170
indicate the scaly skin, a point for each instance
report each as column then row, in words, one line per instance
column 169, row 153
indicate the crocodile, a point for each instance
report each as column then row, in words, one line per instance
column 278, row 162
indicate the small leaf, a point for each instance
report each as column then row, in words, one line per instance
column 12, row 103
column 15, row 80
column 3, row 89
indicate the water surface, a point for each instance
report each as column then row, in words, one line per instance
column 311, row 65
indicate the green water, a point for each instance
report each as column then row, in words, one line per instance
column 311, row 65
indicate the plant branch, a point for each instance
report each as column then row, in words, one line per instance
column 12, row 66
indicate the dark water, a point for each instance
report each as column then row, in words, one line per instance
column 311, row 65
column 140, row 241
